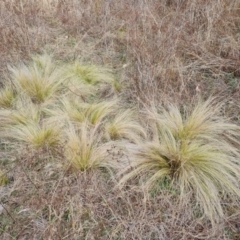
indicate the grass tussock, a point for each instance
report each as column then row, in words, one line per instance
column 198, row 151
column 124, row 125
column 7, row 97
column 40, row 80
column 35, row 135
column 24, row 113
column 44, row 103
column 96, row 113
column 84, row 149
column 90, row 74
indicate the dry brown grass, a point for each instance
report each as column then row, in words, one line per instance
column 170, row 50
column 166, row 49
column 57, row 205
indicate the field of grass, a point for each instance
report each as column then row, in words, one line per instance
column 120, row 119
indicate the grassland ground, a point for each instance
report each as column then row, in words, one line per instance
column 160, row 53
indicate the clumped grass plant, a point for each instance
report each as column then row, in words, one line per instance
column 84, row 149
column 56, row 107
column 24, row 113
column 93, row 113
column 97, row 112
column 78, row 111
column 198, row 151
column 7, row 97
column 92, row 75
column 124, row 125
column 39, row 80
column 78, row 89
column 35, row 135
column 164, row 51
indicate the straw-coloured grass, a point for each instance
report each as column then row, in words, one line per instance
column 84, row 149
column 124, row 125
column 162, row 51
column 198, row 151
column 39, row 80
column 34, row 134
column 90, row 74
column 7, row 97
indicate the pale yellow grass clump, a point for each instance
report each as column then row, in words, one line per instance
column 124, row 125
column 84, row 149
column 94, row 113
column 92, row 75
column 56, row 108
column 23, row 113
column 78, row 89
column 97, row 112
column 40, row 80
column 7, row 97
column 34, row 134
column 75, row 110
column 198, row 151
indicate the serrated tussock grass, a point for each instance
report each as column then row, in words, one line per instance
column 35, row 135
column 7, row 97
column 39, row 80
column 24, row 112
column 85, row 150
column 124, row 125
column 92, row 75
column 94, row 113
column 58, row 105
column 164, row 51
column 197, row 150
column 97, row 112
column 78, row 111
